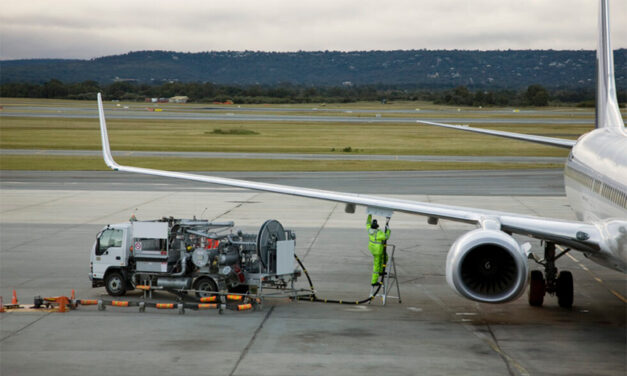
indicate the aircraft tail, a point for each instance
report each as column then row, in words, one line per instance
column 607, row 110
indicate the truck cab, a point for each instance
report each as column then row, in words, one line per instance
column 144, row 242
column 109, row 255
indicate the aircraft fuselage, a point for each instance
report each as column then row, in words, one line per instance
column 595, row 178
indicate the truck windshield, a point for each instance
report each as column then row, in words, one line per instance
column 109, row 238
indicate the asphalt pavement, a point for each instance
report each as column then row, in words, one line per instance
column 48, row 222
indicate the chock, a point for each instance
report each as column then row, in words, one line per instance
column 62, row 301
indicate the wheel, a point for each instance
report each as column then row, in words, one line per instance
column 565, row 289
column 537, row 288
column 115, row 284
column 203, row 284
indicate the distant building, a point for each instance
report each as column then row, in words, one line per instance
column 179, row 99
column 118, row 79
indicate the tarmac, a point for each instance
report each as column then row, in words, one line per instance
column 49, row 221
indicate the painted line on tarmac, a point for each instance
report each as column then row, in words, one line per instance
column 315, row 238
column 583, row 267
column 491, row 340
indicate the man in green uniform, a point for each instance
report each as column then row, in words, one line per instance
column 377, row 247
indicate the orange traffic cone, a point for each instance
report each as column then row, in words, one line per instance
column 14, row 300
column 73, row 297
column 1, row 305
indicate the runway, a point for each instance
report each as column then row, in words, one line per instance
column 64, row 107
column 296, row 118
column 50, row 220
column 346, row 116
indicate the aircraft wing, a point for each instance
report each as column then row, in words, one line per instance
column 577, row 235
column 552, row 141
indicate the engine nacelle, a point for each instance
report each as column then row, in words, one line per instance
column 487, row 266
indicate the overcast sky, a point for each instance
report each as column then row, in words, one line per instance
column 88, row 29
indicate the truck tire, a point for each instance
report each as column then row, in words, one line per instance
column 204, row 284
column 115, row 283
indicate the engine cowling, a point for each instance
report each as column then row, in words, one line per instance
column 487, row 266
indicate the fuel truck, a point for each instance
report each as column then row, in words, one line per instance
column 179, row 255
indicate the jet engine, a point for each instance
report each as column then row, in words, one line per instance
column 487, row 266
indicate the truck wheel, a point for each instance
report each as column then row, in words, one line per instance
column 115, row 284
column 203, row 284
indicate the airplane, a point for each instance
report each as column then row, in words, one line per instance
column 487, row 264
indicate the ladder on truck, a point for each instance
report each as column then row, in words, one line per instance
column 389, row 280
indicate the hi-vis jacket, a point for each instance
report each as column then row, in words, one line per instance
column 376, row 237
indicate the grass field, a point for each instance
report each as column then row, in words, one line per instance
column 60, row 163
column 283, row 137
column 195, row 135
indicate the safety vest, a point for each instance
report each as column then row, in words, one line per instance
column 377, row 237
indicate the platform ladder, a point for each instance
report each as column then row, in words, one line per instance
column 389, row 280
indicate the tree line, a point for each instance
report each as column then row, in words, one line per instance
column 533, row 95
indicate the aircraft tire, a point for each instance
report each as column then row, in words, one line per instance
column 537, row 288
column 565, row 289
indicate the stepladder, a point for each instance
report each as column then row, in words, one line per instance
column 389, row 280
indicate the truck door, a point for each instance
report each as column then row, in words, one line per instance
column 109, row 251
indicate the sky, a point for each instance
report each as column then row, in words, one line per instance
column 87, row 29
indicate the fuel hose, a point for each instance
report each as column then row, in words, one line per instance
column 314, row 298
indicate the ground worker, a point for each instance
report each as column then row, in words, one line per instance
column 376, row 245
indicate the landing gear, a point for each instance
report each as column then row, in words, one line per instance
column 554, row 283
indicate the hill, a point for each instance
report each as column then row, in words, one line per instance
column 512, row 69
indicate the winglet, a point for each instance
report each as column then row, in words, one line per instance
column 607, row 111
column 106, row 149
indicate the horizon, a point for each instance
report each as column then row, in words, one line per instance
column 306, row 51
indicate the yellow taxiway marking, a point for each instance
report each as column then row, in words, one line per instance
column 619, row 296
column 582, row 266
